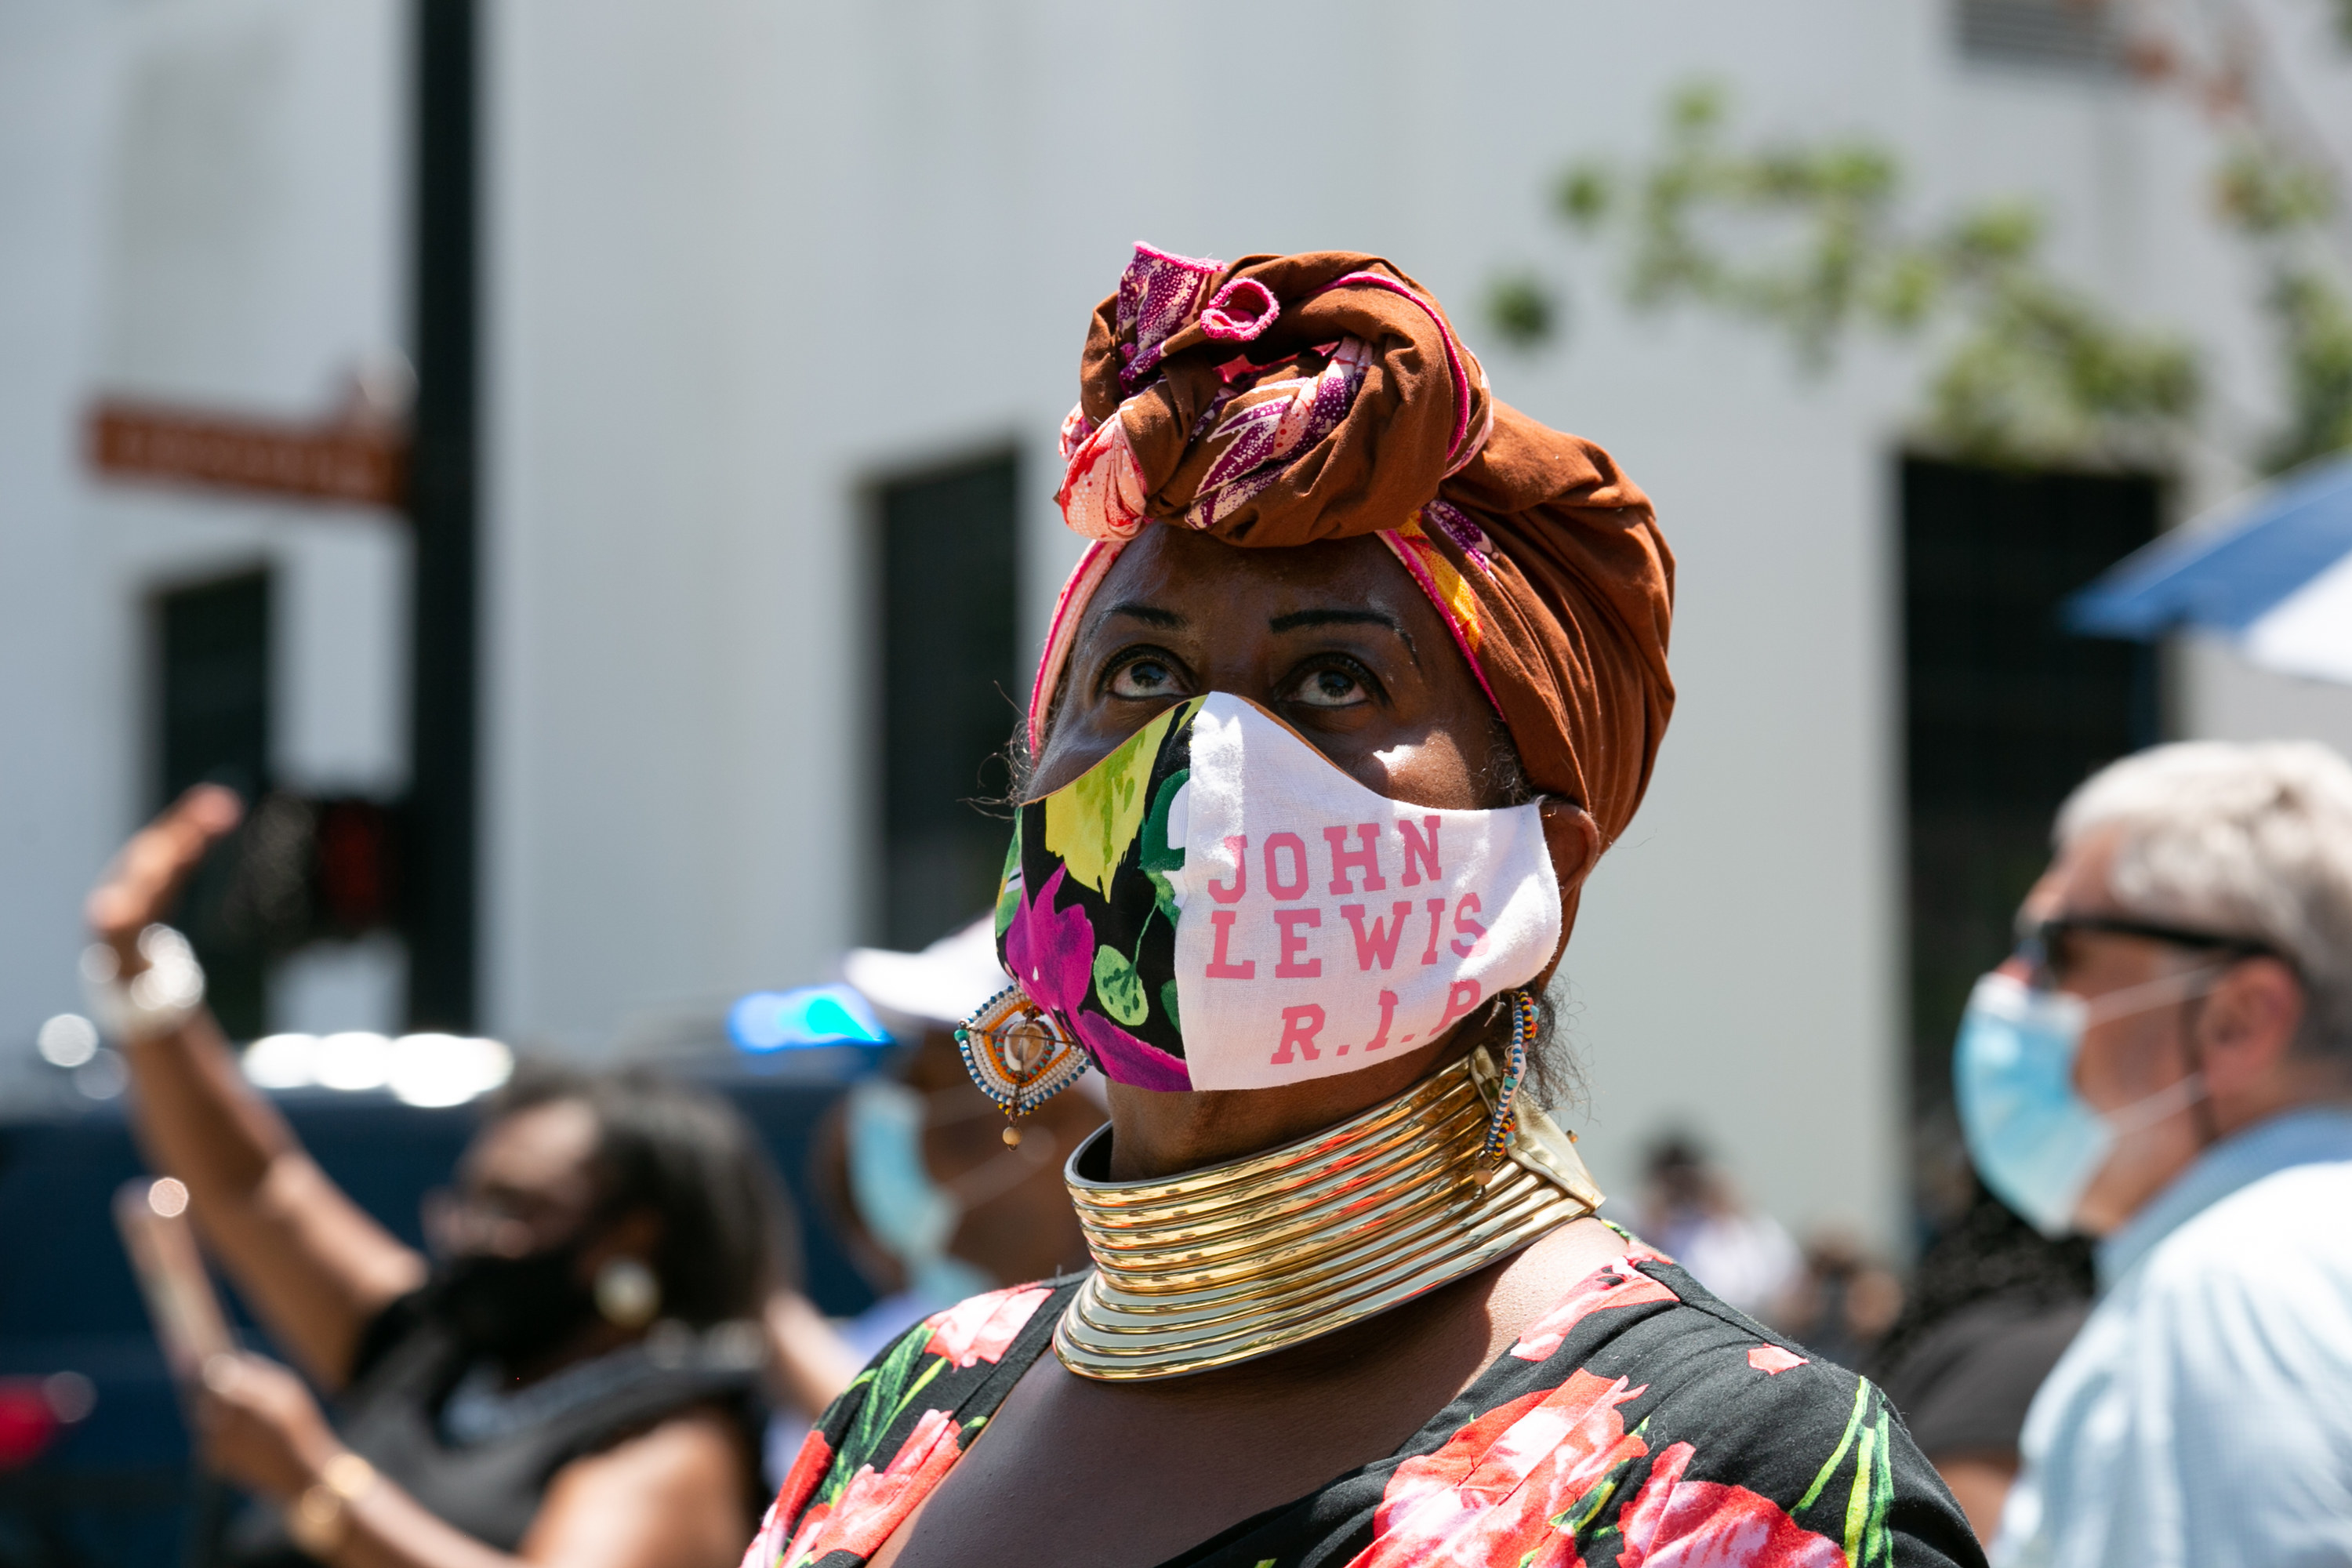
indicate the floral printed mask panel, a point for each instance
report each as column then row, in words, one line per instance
column 1217, row 905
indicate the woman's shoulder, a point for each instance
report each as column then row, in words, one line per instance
column 904, row 1421
column 1661, row 1420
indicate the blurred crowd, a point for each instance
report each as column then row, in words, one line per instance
column 2123, row 1339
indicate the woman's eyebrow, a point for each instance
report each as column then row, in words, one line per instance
column 1298, row 618
column 1149, row 614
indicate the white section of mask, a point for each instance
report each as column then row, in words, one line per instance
column 1323, row 926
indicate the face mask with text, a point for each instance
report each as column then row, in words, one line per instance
column 1217, row 905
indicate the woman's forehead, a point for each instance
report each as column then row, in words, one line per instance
column 1172, row 574
column 539, row 1146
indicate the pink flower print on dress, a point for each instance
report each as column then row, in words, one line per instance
column 1772, row 1359
column 982, row 1328
column 875, row 1503
column 1675, row 1523
column 1492, row 1493
column 1618, row 1284
column 809, row 1466
column 1102, row 491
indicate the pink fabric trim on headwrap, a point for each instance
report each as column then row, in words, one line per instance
column 1102, row 491
column 1456, row 609
column 1159, row 295
column 1076, row 428
column 1084, row 578
column 1218, row 319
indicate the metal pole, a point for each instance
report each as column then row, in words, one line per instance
column 444, row 616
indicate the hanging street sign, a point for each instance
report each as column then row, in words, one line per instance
column 364, row 462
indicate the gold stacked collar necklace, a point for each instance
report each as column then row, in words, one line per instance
column 1246, row 1258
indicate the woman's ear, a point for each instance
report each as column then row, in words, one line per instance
column 1574, row 840
column 636, row 1234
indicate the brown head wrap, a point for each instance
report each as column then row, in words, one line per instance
column 1283, row 399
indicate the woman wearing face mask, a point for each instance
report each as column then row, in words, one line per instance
column 934, row 1206
column 571, row 1382
column 1361, row 673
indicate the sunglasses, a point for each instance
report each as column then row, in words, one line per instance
column 2046, row 944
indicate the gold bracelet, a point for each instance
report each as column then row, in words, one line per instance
column 320, row 1519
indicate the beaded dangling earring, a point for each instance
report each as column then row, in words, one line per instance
column 1018, row 1056
column 1505, row 1119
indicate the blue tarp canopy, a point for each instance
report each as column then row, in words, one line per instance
column 2272, row 571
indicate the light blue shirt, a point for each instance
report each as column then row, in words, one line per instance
column 2204, row 1414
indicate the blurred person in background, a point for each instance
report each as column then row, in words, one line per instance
column 913, row 1166
column 1842, row 1301
column 912, row 1170
column 1690, row 1212
column 2165, row 1064
column 1358, row 675
column 571, row 1381
column 1992, row 1305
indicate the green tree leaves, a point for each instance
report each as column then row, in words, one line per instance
column 1806, row 238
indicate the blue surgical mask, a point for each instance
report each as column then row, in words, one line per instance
column 2035, row 1140
column 907, row 1213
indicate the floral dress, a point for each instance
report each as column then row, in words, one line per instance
column 1638, row 1422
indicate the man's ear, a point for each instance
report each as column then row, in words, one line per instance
column 2250, row 1020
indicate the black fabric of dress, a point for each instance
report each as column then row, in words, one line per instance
column 392, row 1416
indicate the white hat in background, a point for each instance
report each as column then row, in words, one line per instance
column 942, row 985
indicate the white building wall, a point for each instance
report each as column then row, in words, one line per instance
column 747, row 256
column 202, row 204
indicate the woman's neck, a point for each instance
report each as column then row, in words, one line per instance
column 1156, row 1134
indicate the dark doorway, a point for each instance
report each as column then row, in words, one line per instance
column 2005, row 712
column 949, row 583
column 213, row 704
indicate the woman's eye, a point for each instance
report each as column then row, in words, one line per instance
column 1142, row 678
column 1329, row 689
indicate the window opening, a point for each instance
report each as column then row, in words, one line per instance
column 2005, row 713
column 949, row 585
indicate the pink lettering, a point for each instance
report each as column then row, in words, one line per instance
column 1364, row 858
column 1300, row 1027
column 1295, row 887
column 1382, row 941
column 1237, row 846
column 1468, row 927
column 1294, row 943
column 1388, row 1013
column 1436, row 908
column 1221, row 923
column 1460, row 997
column 1416, row 848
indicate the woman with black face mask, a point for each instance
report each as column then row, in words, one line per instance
column 571, row 1381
